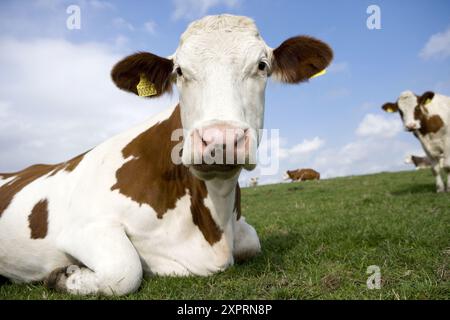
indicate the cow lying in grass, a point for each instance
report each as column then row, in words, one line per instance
column 130, row 206
column 428, row 118
column 302, row 175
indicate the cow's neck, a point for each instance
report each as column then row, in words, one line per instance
column 225, row 198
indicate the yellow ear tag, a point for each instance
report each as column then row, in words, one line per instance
column 427, row 101
column 390, row 110
column 145, row 88
column 321, row 73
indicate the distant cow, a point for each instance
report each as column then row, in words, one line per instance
column 144, row 201
column 419, row 162
column 302, row 175
column 428, row 117
column 253, row 182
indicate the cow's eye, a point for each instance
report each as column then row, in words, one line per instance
column 179, row 72
column 262, row 66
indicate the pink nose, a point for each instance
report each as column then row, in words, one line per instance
column 411, row 126
column 221, row 144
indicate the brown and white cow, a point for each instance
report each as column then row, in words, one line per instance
column 418, row 162
column 97, row 223
column 428, row 118
column 302, row 175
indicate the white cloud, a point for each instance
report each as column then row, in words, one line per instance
column 121, row 23
column 150, row 27
column 363, row 156
column 190, row 9
column 99, row 4
column 375, row 147
column 305, row 148
column 438, row 46
column 377, row 125
column 57, row 100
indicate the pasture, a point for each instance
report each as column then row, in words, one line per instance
column 318, row 239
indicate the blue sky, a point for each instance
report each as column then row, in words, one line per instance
column 333, row 123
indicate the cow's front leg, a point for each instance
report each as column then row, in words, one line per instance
column 446, row 169
column 246, row 241
column 436, row 169
column 109, row 264
column 446, row 162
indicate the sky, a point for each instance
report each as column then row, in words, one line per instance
column 57, row 99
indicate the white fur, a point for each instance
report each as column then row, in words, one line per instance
column 221, row 83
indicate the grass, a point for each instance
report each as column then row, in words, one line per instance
column 318, row 239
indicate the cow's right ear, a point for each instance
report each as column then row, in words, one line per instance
column 152, row 73
column 390, row 107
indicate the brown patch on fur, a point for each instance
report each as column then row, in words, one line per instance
column 28, row 175
column 38, row 220
column 151, row 177
column 201, row 216
column 70, row 165
column 25, row 177
column 237, row 202
column 126, row 73
column 428, row 124
column 303, row 174
column 299, row 58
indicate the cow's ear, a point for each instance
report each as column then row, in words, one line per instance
column 390, row 107
column 299, row 58
column 425, row 98
column 144, row 74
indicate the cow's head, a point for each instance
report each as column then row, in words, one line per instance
column 220, row 68
column 288, row 174
column 411, row 108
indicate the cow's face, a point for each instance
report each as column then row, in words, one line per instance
column 411, row 108
column 221, row 69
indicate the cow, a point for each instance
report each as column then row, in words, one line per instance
column 141, row 203
column 302, row 175
column 418, row 162
column 253, row 182
column 428, row 117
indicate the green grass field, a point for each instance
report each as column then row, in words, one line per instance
column 318, row 239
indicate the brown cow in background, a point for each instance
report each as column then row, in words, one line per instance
column 302, row 175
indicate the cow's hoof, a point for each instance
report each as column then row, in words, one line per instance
column 58, row 277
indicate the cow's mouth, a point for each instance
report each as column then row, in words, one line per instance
column 216, row 167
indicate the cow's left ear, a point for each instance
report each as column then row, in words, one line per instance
column 425, row 98
column 299, row 58
column 144, row 74
column 390, row 107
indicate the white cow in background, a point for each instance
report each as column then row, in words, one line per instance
column 253, row 182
